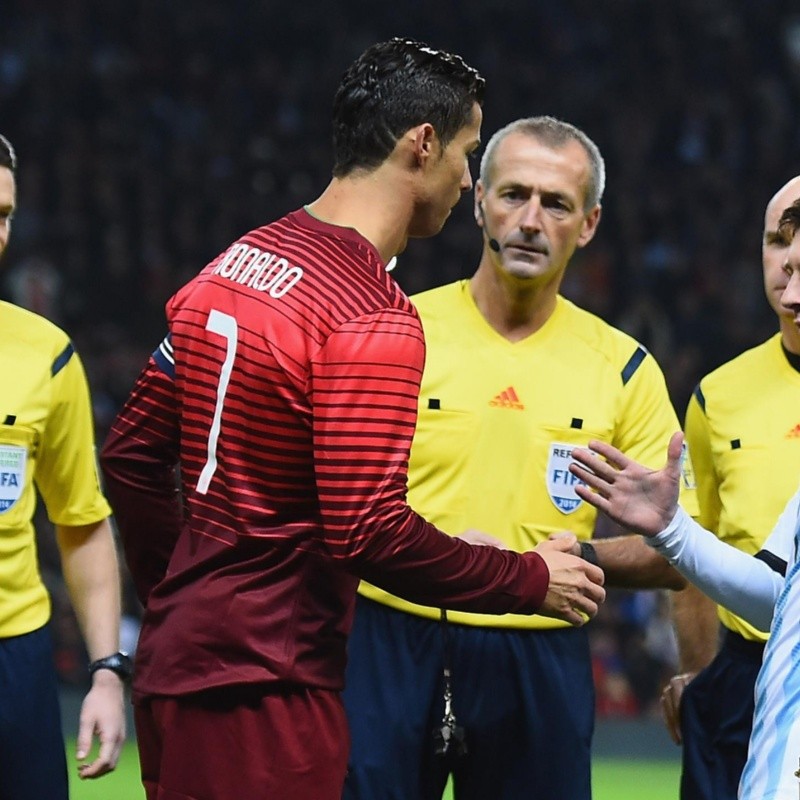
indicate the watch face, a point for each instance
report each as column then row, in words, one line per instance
column 118, row 662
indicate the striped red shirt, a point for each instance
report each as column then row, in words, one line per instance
column 287, row 393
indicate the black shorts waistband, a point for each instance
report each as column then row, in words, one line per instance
column 736, row 643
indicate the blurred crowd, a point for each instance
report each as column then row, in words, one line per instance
column 151, row 133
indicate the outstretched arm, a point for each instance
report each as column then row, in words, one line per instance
column 646, row 501
column 575, row 590
column 374, row 534
column 630, row 564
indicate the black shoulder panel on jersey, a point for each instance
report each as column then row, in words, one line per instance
column 61, row 360
column 771, row 560
column 633, row 364
column 700, row 397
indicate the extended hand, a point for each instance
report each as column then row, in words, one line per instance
column 575, row 591
column 641, row 499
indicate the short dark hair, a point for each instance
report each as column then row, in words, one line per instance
column 789, row 223
column 392, row 87
column 8, row 158
column 554, row 134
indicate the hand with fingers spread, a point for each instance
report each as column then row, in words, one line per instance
column 575, row 591
column 641, row 499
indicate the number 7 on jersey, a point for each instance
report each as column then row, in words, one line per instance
column 224, row 325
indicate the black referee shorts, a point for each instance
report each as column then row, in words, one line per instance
column 716, row 720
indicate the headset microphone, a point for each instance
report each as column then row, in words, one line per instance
column 493, row 243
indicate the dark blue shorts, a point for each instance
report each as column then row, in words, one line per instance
column 716, row 720
column 32, row 761
column 525, row 699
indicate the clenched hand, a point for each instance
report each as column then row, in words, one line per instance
column 575, row 591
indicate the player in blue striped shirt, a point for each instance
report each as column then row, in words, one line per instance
column 763, row 589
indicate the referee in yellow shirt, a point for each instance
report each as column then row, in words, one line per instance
column 47, row 444
column 743, row 431
column 515, row 377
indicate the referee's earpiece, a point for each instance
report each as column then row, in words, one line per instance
column 493, row 243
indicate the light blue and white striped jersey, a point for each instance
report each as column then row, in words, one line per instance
column 774, row 753
column 756, row 590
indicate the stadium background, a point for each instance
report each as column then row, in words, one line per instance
column 151, row 133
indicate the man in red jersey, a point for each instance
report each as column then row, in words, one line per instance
column 286, row 392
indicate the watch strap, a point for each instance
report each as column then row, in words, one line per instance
column 588, row 553
column 117, row 662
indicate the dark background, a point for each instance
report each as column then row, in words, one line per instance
column 150, row 134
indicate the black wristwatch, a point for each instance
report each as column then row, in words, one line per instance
column 588, row 553
column 117, row 662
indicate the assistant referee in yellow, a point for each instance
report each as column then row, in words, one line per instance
column 515, row 377
column 743, row 430
column 47, row 443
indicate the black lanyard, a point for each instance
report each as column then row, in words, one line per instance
column 449, row 739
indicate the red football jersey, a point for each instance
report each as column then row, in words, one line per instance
column 286, row 391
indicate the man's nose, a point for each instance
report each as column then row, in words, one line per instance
column 790, row 299
column 531, row 221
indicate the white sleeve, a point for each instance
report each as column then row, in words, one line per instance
column 745, row 585
column 780, row 542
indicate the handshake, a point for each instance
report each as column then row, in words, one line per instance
column 642, row 500
column 575, row 590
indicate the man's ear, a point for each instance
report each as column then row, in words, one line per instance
column 477, row 209
column 590, row 224
column 425, row 142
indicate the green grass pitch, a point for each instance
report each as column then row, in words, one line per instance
column 619, row 779
column 612, row 779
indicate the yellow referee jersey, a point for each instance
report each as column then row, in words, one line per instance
column 498, row 420
column 46, row 442
column 743, row 429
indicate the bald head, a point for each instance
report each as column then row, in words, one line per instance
column 774, row 248
column 782, row 199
